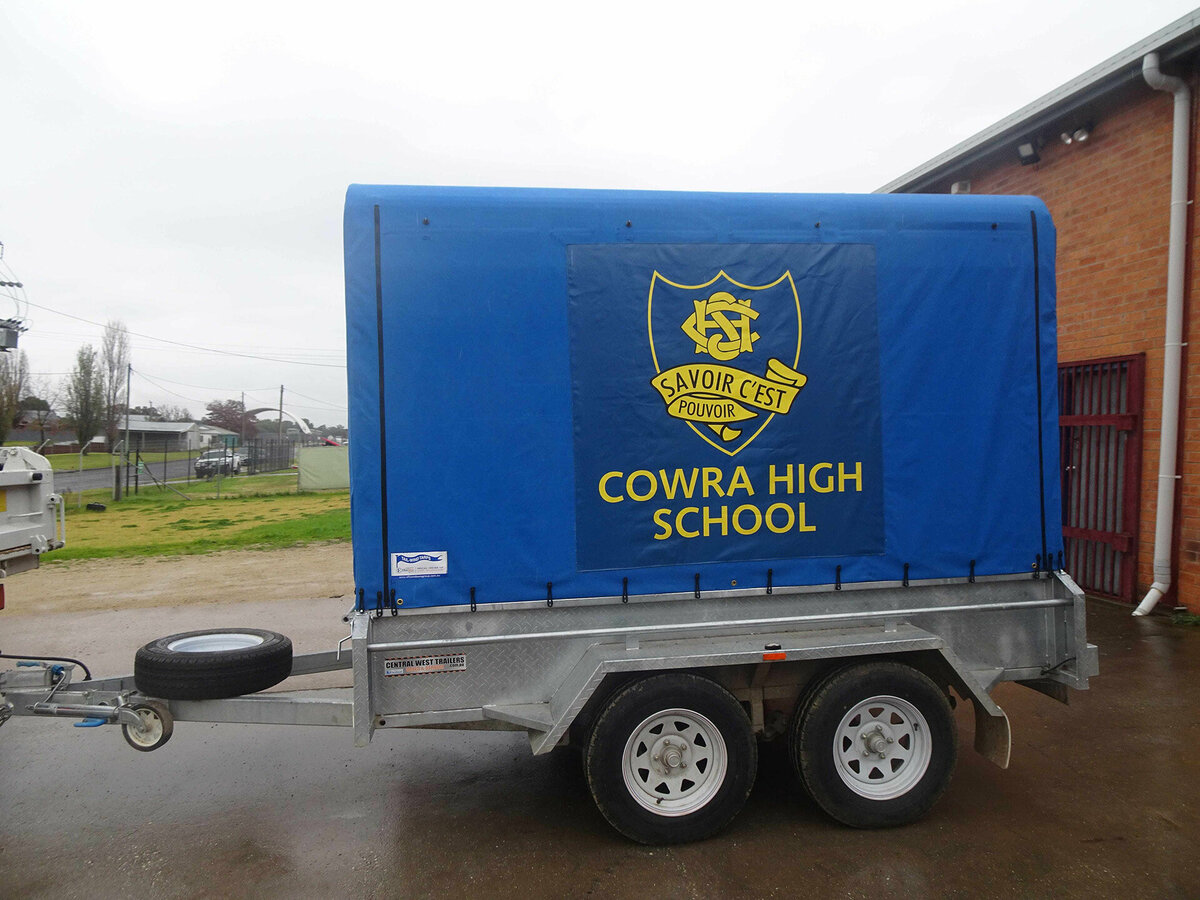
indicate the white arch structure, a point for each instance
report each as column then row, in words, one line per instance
column 274, row 410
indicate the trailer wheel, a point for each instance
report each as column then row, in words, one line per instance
column 671, row 759
column 876, row 744
column 209, row 665
column 156, row 727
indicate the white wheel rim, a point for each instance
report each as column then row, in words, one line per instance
column 674, row 762
column 148, row 733
column 882, row 747
column 208, row 643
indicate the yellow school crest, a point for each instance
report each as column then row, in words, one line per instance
column 725, row 354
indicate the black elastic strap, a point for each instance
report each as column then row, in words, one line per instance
column 383, row 492
column 1037, row 344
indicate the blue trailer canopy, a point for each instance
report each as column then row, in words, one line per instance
column 595, row 393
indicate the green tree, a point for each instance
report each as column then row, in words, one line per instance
column 84, row 396
column 230, row 415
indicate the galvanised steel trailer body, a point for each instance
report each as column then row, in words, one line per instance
column 660, row 474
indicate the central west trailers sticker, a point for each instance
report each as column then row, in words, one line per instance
column 425, row 665
column 726, row 402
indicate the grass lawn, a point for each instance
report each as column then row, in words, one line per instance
column 254, row 512
column 205, row 488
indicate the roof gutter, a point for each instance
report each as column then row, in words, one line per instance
column 1173, row 340
column 1178, row 39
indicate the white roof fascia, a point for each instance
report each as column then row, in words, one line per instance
column 1096, row 80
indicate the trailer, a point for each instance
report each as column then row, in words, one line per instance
column 663, row 475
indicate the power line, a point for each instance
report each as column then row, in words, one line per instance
column 327, row 407
column 14, row 290
column 146, row 377
column 150, row 337
column 205, row 387
column 325, row 403
column 138, row 347
column 43, row 334
column 274, row 402
column 291, row 405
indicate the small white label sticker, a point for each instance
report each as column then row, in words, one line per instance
column 420, row 563
column 425, row 665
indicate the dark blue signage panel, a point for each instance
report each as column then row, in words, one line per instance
column 726, row 402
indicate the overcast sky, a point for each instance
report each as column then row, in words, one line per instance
column 182, row 167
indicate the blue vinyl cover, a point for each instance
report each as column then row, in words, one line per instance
column 610, row 390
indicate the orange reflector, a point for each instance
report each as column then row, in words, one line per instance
column 774, row 657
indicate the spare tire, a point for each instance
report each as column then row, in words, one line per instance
column 212, row 664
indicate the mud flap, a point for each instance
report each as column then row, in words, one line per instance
column 993, row 737
column 1055, row 690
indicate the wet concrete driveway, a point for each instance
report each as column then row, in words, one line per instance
column 1102, row 800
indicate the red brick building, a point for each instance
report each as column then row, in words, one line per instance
column 1098, row 151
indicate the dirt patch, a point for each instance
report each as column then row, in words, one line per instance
column 316, row 571
column 102, row 610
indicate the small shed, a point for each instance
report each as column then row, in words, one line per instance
column 212, row 436
column 159, row 437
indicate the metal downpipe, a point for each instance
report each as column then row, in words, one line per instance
column 1173, row 340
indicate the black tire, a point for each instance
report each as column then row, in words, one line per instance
column 876, row 745
column 793, row 732
column 180, row 667
column 156, row 728
column 703, row 727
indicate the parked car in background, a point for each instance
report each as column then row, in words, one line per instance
column 218, row 462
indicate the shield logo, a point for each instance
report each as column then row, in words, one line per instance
column 725, row 354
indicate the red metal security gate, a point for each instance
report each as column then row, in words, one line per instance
column 1100, row 430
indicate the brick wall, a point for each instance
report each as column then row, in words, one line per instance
column 1110, row 201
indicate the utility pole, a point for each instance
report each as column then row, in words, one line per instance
column 128, row 380
column 281, row 412
column 242, row 420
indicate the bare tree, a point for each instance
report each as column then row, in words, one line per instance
column 160, row 412
column 37, row 404
column 14, row 374
column 114, row 363
column 83, row 397
column 171, row 413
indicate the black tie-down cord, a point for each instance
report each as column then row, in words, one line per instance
column 65, row 659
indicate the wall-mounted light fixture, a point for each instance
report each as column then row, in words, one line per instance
column 1028, row 152
column 1077, row 135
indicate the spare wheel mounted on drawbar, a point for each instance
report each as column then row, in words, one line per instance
column 212, row 664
